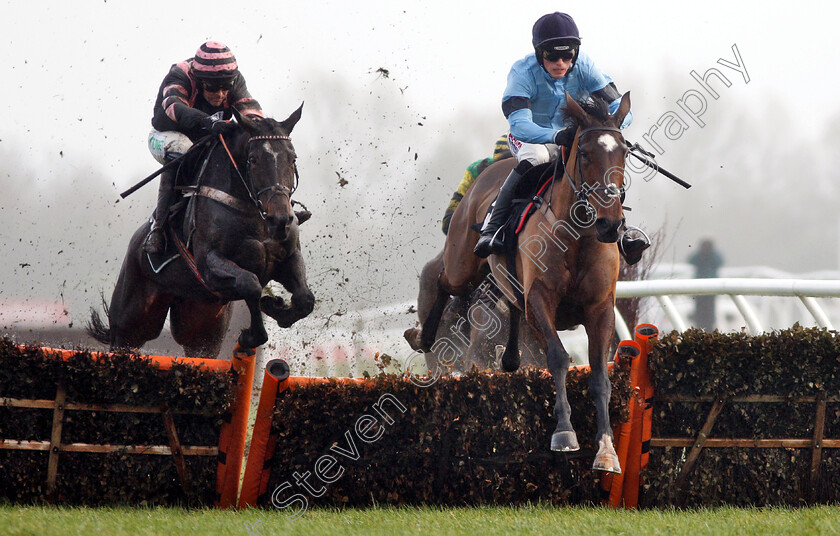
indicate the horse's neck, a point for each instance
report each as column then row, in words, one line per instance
column 563, row 195
column 215, row 172
column 219, row 172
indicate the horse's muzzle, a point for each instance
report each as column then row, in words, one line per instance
column 607, row 230
column 279, row 225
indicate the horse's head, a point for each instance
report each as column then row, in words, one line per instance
column 268, row 157
column 597, row 164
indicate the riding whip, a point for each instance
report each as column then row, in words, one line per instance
column 164, row 167
column 653, row 165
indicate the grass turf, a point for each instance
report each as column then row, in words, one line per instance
column 537, row 520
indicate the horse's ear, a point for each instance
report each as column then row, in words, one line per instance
column 290, row 122
column 575, row 110
column 623, row 109
column 243, row 120
column 236, row 114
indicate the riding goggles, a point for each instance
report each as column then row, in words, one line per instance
column 213, row 86
column 552, row 54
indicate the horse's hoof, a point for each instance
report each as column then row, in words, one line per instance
column 270, row 304
column 425, row 343
column 286, row 321
column 607, row 462
column 606, row 459
column 565, row 441
column 274, row 306
column 279, row 310
column 247, row 340
column 412, row 336
column 510, row 359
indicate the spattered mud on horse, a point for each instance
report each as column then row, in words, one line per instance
column 237, row 232
column 563, row 272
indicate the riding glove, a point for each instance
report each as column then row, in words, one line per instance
column 217, row 126
column 565, row 136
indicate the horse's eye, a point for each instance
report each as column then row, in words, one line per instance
column 252, row 160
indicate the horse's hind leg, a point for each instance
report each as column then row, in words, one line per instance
column 138, row 309
column 510, row 359
column 430, row 326
column 435, row 290
column 426, row 300
column 200, row 327
column 428, row 287
column 541, row 309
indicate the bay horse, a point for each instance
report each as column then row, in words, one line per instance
column 566, row 265
column 240, row 233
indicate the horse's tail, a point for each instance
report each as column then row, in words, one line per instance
column 97, row 328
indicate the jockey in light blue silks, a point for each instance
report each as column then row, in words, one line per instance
column 534, row 103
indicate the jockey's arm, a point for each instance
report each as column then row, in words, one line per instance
column 177, row 89
column 610, row 94
column 517, row 110
column 185, row 116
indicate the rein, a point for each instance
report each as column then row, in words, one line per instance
column 275, row 188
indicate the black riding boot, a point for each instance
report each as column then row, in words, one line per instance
column 166, row 193
column 631, row 248
column 490, row 241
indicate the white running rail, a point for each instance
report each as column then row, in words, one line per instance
column 757, row 303
column 736, row 288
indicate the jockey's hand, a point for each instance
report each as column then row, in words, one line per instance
column 565, row 136
column 217, row 126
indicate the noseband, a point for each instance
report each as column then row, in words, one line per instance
column 610, row 191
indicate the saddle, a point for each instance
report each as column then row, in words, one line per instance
column 173, row 232
column 173, row 223
column 527, row 199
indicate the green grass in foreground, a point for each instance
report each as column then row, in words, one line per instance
column 540, row 520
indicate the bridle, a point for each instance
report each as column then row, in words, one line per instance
column 247, row 180
column 610, row 191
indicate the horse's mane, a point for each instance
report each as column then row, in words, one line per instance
column 597, row 107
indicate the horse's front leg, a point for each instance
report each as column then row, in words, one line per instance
column 235, row 283
column 600, row 326
column 541, row 308
column 292, row 275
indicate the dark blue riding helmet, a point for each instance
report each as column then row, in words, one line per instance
column 556, row 32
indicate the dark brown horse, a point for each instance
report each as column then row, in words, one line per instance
column 242, row 233
column 566, row 264
column 476, row 324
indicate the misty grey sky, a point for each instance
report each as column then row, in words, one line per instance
column 79, row 80
column 83, row 75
